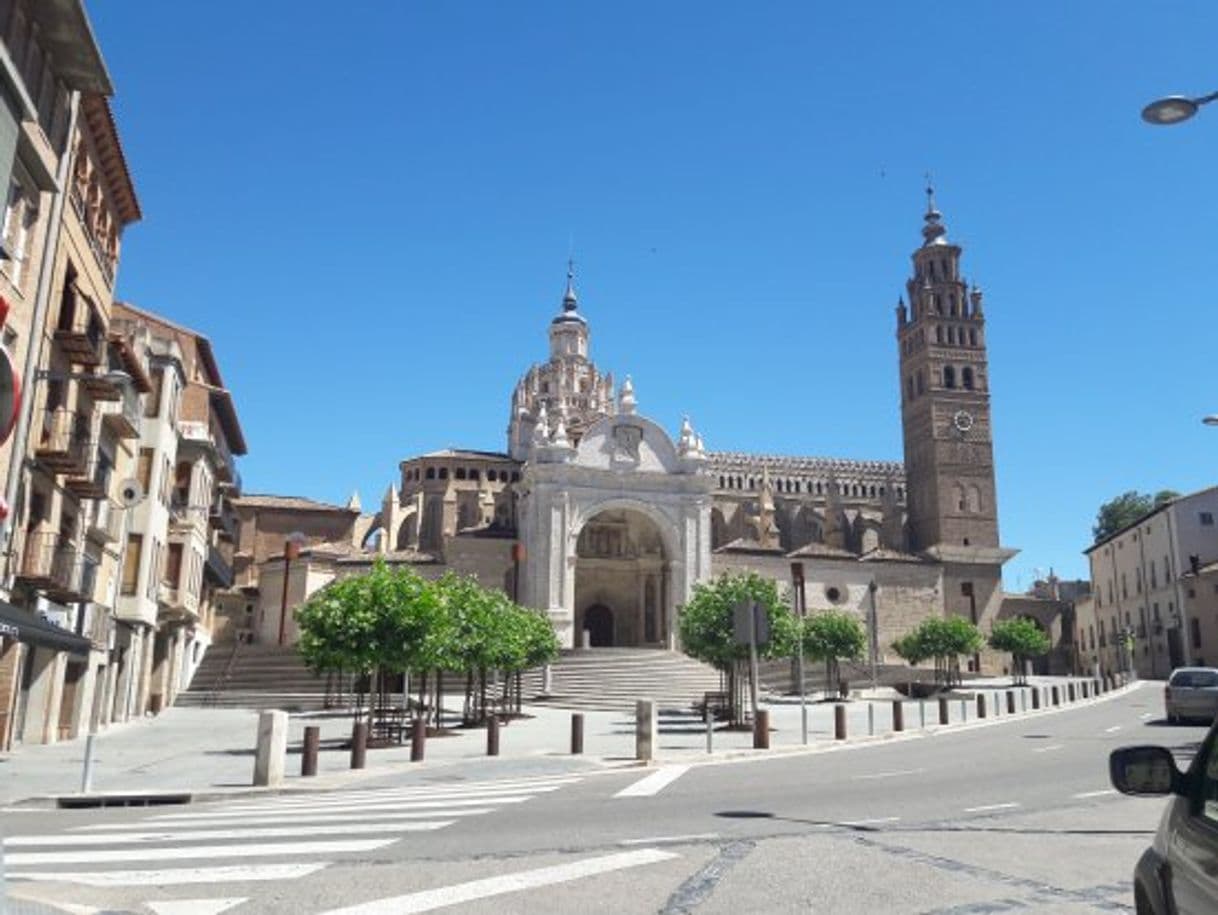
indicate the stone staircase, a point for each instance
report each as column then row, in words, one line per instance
column 268, row 676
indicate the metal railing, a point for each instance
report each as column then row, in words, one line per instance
column 58, row 568
column 80, row 330
column 64, row 439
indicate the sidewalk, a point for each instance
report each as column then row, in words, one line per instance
column 207, row 751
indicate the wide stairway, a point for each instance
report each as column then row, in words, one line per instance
column 612, row 679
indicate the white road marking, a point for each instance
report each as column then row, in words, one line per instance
column 1115, row 727
column 654, row 783
column 1056, row 746
column 273, row 832
column 388, row 799
column 1102, row 793
column 868, row 822
column 245, row 819
column 193, row 906
column 236, row 874
column 1146, row 715
column 458, row 893
column 333, row 806
column 476, row 790
column 895, row 774
column 671, row 840
column 985, row 807
column 269, row 849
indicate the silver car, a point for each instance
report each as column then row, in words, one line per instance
column 1192, row 692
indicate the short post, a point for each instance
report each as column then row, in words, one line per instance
column 492, row 735
column 359, row 744
column 1035, row 698
column 1056, row 696
column 645, row 729
column 839, row 721
column 761, row 730
column 1070, row 691
column 1082, row 689
column 981, row 705
column 870, row 719
column 944, row 714
column 1023, row 700
column 272, row 745
column 963, row 710
column 898, row 715
column 922, row 714
column 308, row 755
column 1010, row 702
column 418, row 739
column 1095, row 687
column 86, row 777
column 577, row 733
column 547, row 680
column 710, row 730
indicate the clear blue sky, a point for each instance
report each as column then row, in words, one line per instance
column 368, row 207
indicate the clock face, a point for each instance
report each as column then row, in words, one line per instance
column 963, row 421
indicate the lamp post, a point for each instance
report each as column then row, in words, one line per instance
column 291, row 549
column 797, row 579
column 873, row 647
column 1174, row 109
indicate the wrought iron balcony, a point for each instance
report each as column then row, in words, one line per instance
column 93, row 482
column 80, row 331
column 59, row 569
column 63, row 441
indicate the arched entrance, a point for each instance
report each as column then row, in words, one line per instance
column 598, row 620
column 621, row 563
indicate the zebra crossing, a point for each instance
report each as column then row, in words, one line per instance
column 286, row 837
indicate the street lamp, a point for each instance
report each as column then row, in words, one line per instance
column 873, row 648
column 1173, row 109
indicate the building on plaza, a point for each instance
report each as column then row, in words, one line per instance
column 1147, row 579
column 70, row 196
column 598, row 516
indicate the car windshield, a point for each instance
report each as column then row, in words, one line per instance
column 1194, row 679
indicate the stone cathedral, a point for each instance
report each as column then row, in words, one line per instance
column 601, row 518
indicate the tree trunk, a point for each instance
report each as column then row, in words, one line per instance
column 482, row 690
column 467, row 710
column 439, row 699
column 423, row 697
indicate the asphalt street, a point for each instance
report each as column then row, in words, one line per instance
column 1013, row 815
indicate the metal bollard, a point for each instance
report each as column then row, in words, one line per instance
column 963, row 710
column 645, row 729
column 944, row 714
column 710, row 732
column 359, row 744
column 1023, row 700
column 870, row 720
column 761, row 730
column 1010, row 702
column 418, row 739
column 492, row 735
column 980, row 705
column 922, row 714
column 839, row 722
column 1095, row 686
column 577, row 733
column 308, row 755
column 898, row 715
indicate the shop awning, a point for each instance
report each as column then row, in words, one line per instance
column 28, row 627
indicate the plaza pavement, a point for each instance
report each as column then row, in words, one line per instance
column 210, row 751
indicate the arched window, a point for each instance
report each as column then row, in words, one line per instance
column 431, row 473
column 721, row 486
column 949, row 377
column 460, row 474
column 974, row 499
column 516, row 476
column 873, row 492
column 921, row 382
column 938, row 334
column 966, row 378
column 972, row 336
column 473, row 473
column 958, row 497
column 443, row 473
column 491, row 476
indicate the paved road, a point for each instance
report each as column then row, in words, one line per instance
column 1008, row 817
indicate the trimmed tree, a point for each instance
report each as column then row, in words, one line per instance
column 944, row 640
column 1023, row 639
column 832, row 636
column 708, row 632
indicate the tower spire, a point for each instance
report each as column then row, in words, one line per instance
column 568, row 298
column 934, row 231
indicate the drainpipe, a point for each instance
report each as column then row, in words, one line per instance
column 33, row 356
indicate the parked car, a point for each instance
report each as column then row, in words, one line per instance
column 1178, row 874
column 1192, row 692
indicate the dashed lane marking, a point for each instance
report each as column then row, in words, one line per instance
column 672, row 840
column 654, row 783
column 896, row 774
column 1048, row 749
column 1115, row 727
column 987, row 807
column 1103, row 793
column 871, row 822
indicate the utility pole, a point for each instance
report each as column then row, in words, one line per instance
column 797, row 578
column 873, row 647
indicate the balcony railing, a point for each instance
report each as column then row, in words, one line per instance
column 200, row 432
column 93, row 482
column 102, row 387
column 59, row 569
column 63, row 441
column 219, row 567
column 80, row 331
column 105, row 522
column 123, row 416
column 175, row 600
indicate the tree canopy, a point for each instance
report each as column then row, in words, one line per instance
column 943, row 639
column 1123, row 510
column 832, row 636
column 1023, row 639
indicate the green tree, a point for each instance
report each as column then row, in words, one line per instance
column 1023, row 639
column 707, row 630
column 831, row 636
column 944, row 640
column 1125, row 509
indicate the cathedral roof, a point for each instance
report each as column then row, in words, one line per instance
column 883, row 554
column 296, row 503
column 748, row 545
column 821, row 551
column 729, row 459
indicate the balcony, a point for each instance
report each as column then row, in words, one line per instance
column 80, row 331
column 218, row 567
column 123, row 414
column 201, row 434
column 94, row 481
column 105, row 522
column 59, row 569
column 63, row 441
column 176, row 602
column 223, row 520
column 102, row 388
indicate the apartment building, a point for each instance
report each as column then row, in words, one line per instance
column 178, row 554
column 70, row 197
column 1148, row 610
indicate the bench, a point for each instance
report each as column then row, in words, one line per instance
column 713, row 702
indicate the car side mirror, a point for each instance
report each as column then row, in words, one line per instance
column 1144, row 771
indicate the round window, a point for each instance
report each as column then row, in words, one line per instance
column 834, row 594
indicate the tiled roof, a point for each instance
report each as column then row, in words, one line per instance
column 821, row 551
column 747, row 545
column 299, row 503
column 882, row 554
column 364, row 557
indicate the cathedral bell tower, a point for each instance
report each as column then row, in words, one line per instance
column 945, row 402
